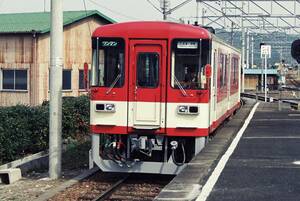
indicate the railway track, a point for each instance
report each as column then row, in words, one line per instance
column 294, row 83
column 115, row 186
column 110, row 190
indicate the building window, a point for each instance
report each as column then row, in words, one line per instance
column 14, row 79
column 81, row 78
column 67, row 80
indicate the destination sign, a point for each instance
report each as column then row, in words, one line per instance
column 187, row 45
column 109, row 44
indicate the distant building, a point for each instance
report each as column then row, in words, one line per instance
column 253, row 79
column 25, row 54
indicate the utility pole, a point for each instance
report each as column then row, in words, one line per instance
column 243, row 50
column 56, row 63
column 164, row 8
column 197, row 12
column 231, row 35
column 44, row 6
column 252, row 51
column 203, row 14
column 248, row 49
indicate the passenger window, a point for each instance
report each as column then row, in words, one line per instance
column 148, row 70
column 188, row 60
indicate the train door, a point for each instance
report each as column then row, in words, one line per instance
column 214, row 84
column 147, row 84
column 228, row 66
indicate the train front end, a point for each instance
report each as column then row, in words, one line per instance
column 149, row 96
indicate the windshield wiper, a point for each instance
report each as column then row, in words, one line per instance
column 180, row 86
column 113, row 84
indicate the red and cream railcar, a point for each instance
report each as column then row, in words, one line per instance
column 158, row 90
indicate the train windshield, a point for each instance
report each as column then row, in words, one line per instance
column 189, row 58
column 108, row 62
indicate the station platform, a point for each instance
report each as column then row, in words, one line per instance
column 260, row 162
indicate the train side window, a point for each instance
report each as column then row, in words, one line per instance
column 148, row 70
column 234, row 70
column 223, row 69
column 189, row 57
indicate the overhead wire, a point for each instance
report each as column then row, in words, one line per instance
column 113, row 11
column 152, row 4
column 86, row 14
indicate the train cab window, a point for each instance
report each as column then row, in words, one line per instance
column 108, row 62
column 189, row 58
column 147, row 70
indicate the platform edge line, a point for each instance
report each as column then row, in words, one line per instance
column 212, row 180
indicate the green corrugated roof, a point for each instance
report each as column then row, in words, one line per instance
column 40, row 21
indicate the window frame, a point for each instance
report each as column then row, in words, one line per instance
column 95, row 71
column 88, row 79
column 62, row 84
column 235, row 63
column 201, row 63
column 223, row 63
column 158, row 70
column 14, row 80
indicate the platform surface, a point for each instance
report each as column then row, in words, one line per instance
column 187, row 185
column 265, row 165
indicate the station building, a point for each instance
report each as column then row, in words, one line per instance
column 253, row 79
column 25, row 54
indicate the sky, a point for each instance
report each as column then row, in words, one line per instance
column 120, row 10
column 133, row 10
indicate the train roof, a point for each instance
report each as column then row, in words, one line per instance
column 152, row 29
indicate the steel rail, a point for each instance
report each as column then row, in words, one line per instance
column 110, row 190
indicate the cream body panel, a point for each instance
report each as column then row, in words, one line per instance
column 147, row 114
column 175, row 120
column 117, row 118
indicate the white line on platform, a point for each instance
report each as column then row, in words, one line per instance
column 294, row 115
column 273, row 137
column 212, row 180
column 276, row 120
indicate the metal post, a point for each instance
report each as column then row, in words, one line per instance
column 231, row 35
column 262, row 76
column 252, row 51
column 243, row 52
column 44, row 6
column 279, row 100
column 247, row 50
column 203, row 13
column 266, row 78
column 164, row 8
column 56, row 62
column 197, row 12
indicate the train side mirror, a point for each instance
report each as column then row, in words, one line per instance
column 295, row 50
column 208, row 70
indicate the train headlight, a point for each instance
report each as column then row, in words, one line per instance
column 107, row 107
column 110, row 107
column 183, row 109
column 188, row 109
